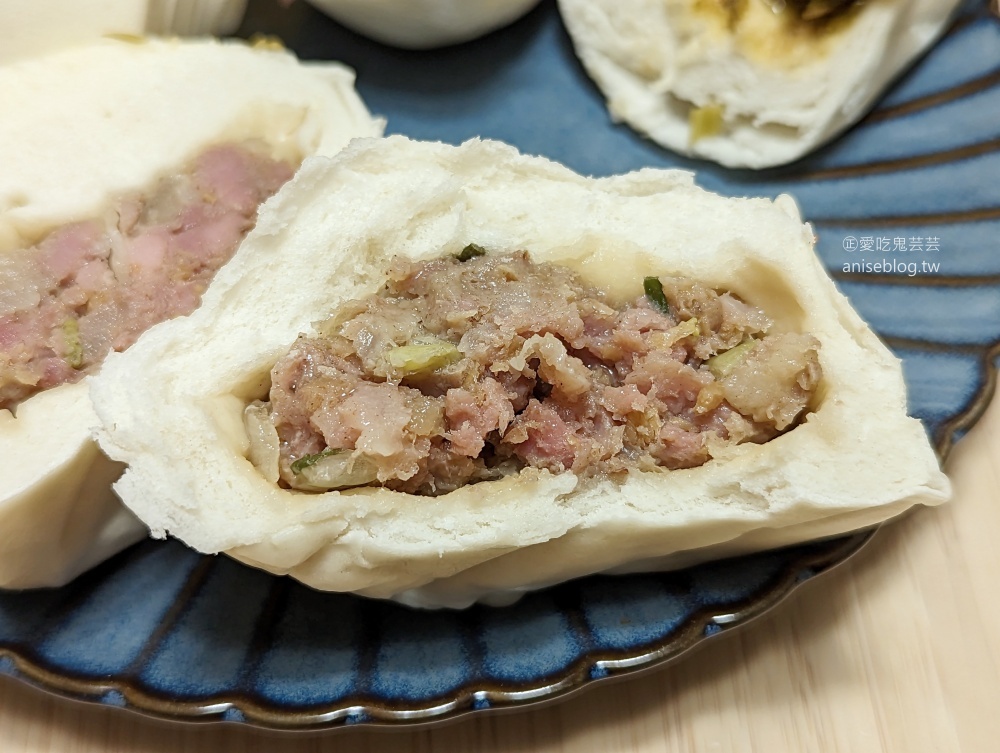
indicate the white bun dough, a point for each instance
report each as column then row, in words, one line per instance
column 781, row 92
column 171, row 407
column 92, row 123
column 38, row 27
column 423, row 24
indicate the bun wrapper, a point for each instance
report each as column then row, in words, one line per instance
column 329, row 236
column 92, row 124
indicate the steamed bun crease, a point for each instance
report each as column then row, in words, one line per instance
column 95, row 285
column 472, row 367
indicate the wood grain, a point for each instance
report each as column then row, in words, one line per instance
column 896, row 651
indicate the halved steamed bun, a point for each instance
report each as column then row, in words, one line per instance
column 747, row 83
column 172, row 407
column 90, row 125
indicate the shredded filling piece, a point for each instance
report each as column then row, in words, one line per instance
column 93, row 286
column 469, row 368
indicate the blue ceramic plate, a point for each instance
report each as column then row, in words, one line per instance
column 914, row 188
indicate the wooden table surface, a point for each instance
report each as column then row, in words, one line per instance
column 896, row 650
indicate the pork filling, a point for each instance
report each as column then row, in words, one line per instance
column 469, row 368
column 93, row 286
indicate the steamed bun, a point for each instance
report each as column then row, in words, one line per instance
column 91, row 124
column 38, row 27
column 747, row 83
column 172, row 406
column 422, row 24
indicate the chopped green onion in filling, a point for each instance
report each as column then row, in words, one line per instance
column 471, row 252
column 654, row 292
column 723, row 363
column 335, row 469
column 309, row 460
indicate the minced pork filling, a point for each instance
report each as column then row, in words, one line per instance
column 95, row 285
column 469, row 368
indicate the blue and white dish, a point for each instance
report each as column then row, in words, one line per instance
column 906, row 208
